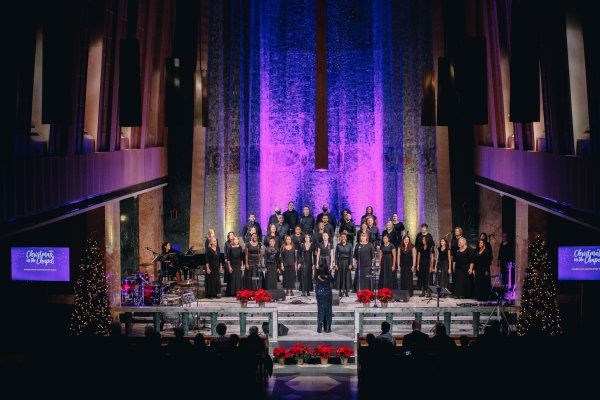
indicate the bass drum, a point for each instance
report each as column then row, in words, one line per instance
column 152, row 294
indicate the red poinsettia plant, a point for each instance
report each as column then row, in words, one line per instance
column 365, row 296
column 280, row 352
column 323, row 351
column 345, row 352
column 244, row 296
column 300, row 351
column 384, row 295
column 262, row 296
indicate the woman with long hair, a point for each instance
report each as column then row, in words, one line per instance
column 324, row 250
column 272, row 233
column 272, row 260
column 308, row 264
column 288, row 265
column 407, row 263
column 369, row 213
column 444, row 260
column 483, row 259
column 424, row 265
column 226, row 247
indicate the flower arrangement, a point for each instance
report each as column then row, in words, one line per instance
column 345, row 352
column 262, row 296
column 384, row 295
column 300, row 352
column 280, row 353
column 365, row 296
column 244, row 296
column 323, row 351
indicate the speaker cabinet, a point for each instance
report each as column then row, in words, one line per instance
column 471, row 80
column 401, row 295
column 130, row 97
column 278, row 294
column 524, row 63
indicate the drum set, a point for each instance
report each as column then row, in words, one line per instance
column 139, row 290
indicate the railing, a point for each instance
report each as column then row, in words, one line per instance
column 444, row 314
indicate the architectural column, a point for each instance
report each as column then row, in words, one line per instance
column 112, row 254
column 521, row 244
column 150, row 222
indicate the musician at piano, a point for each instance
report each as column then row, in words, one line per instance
column 168, row 265
column 252, row 223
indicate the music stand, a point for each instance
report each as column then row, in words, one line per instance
column 439, row 290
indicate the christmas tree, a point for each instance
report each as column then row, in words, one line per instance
column 539, row 305
column 91, row 313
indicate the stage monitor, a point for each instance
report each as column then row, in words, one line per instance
column 579, row 263
column 50, row 264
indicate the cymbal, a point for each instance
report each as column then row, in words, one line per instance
column 145, row 264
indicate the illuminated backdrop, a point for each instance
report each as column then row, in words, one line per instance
column 260, row 140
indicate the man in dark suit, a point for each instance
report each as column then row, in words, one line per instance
column 282, row 227
column 291, row 217
column 325, row 209
column 274, row 217
column 428, row 237
column 417, row 342
column 328, row 227
column 307, row 222
column 251, row 223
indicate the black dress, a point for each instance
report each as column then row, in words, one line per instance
column 363, row 253
column 462, row 279
column 252, row 266
column 398, row 227
column 267, row 239
column 307, row 261
column 235, row 257
column 324, row 303
column 343, row 275
column 442, row 267
column 483, row 284
column 288, row 258
column 272, row 261
column 226, row 248
column 406, row 273
column 387, row 277
column 393, row 236
column 212, row 281
column 325, row 256
column 424, row 266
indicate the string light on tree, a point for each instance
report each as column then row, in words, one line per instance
column 539, row 305
column 91, row 313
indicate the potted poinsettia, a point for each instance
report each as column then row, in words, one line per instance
column 323, row 352
column 365, row 296
column 384, row 295
column 280, row 354
column 300, row 352
column 261, row 296
column 344, row 352
column 244, row 296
